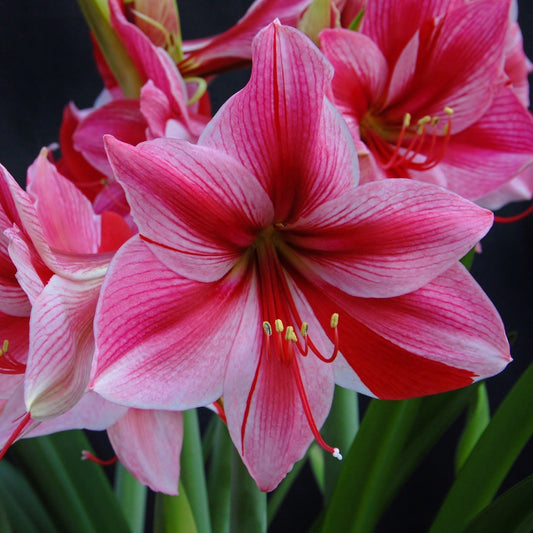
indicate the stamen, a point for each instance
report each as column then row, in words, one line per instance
column 309, row 415
column 267, row 328
column 23, row 425
column 404, row 157
column 514, row 218
column 88, row 456
column 9, row 365
column 334, row 322
column 278, row 325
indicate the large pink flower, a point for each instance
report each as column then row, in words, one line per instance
column 253, row 241
column 425, row 90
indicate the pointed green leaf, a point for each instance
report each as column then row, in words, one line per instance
column 193, row 473
column 477, row 420
column 23, row 511
column 76, row 493
column 512, row 512
column 173, row 514
column 248, row 504
column 131, row 495
column 355, row 505
column 490, row 460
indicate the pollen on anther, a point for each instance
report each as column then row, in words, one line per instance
column 267, row 328
column 407, row 120
column 337, row 454
column 278, row 324
column 334, row 320
column 304, row 329
column 290, row 335
column 5, row 346
column 448, row 110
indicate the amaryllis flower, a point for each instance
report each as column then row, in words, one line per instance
column 263, row 274
column 425, row 94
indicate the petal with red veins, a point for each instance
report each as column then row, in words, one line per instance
column 498, row 146
column 459, row 336
column 199, row 209
column 361, row 70
column 386, row 238
column 61, row 346
column 281, row 127
column 162, row 340
column 120, row 118
column 148, row 444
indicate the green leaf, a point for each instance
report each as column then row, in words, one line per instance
column 219, row 476
column 339, row 431
column 435, row 415
column 131, row 495
column 468, row 259
column 356, row 502
column 356, row 22
column 477, row 419
column 512, row 512
column 173, row 514
column 76, row 493
column 193, row 473
column 23, row 511
column 490, row 460
column 318, row 467
column 248, row 504
column 96, row 13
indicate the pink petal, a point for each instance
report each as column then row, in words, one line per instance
column 120, row 118
column 387, row 238
column 298, row 137
column 458, row 337
column 361, row 70
column 277, row 433
column 458, row 64
column 56, row 200
column 391, row 25
column 61, row 346
column 492, row 151
column 162, row 340
column 148, row 444
column 200, row 208
column 233, row 47
column 91, row 412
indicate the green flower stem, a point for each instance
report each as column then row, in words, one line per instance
column 192, row 471
column 248, row 509
column 173, row 514
column 339, row 431
column 219, row 477
column 131, row 496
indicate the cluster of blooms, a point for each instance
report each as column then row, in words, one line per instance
column 250, row 261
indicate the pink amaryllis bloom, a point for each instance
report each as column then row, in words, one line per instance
column 264, row 275
column 425, row 94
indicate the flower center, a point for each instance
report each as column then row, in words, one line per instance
column 9, row 365
column 416, row 146
column 280, row 342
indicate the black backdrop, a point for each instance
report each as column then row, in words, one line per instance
column 45, row 61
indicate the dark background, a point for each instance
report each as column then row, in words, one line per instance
column 46, row 61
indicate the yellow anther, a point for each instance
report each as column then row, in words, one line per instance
column 407, row 120
column 290, row 335
column 446, row 129
column 304, row 329
column 5, row 346
column 267, row 327
column 421, row 123
column 278, row 325
column 334, row 320
column 448, row 111
column 434, row 121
